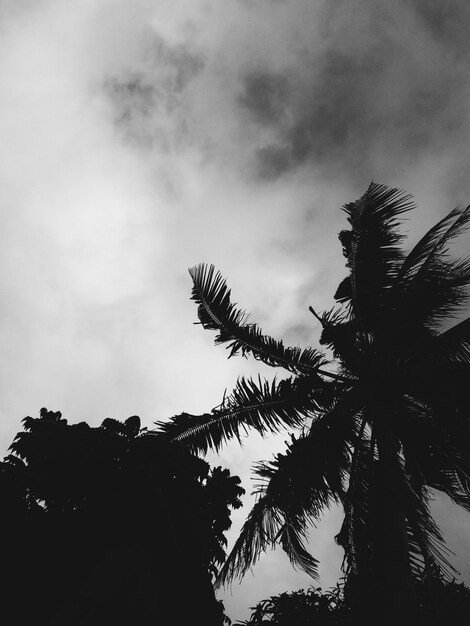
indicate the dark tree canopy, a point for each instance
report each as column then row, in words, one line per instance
column 110, row 525
column 313, row 607
column 439, row 603
column 381, row 412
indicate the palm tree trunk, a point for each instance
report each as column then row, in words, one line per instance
column 395, row 592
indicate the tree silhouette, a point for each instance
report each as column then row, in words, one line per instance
column 99, row 522
column 450, row 605
column 313, row 607
column 380, row 423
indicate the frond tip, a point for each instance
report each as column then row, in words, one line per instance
column 292, row 542
column 265, row 526
column 217, row 312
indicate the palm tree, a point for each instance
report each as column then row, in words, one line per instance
column 379, row 424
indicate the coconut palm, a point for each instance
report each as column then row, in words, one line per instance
column 379, row 424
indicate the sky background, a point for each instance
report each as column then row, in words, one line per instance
column 140, row 138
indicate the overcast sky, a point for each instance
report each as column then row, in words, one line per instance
column 139, row 138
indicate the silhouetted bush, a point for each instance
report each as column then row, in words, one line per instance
column 439, row 602
column 313, row 607
column 110, row 525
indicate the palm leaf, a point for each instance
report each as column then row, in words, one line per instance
column 407, row 497
column 292, row 538
column 434, row 296
column 217, row 312
column 438, row 449
column 453, row 480
column 427, row 550
column 372, row 251
column 453, row 344
column 433, row 242
column 308, row 477
column 354, row 536
column 294, row 490
column 262, row 405
column 258, row 533
column 340, row 335
column 430, row 289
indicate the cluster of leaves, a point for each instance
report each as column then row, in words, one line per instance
column 312, row 607
column 439, row 602
column 72, row 492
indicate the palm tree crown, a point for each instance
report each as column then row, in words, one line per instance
column 379, row 425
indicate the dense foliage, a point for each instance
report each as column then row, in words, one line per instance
column 380, row 422
column 100, row 520
column 438, row 603
column 313, row 607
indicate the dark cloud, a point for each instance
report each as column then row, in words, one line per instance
column 341, row 124
column 353, row 90
column 372, row 90
column 447, row 21
column 265, row 96
column 147, row 103
column 273, row 161
column 319, row 123
column 134, row 101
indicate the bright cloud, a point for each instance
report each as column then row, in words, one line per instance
column 141, row 138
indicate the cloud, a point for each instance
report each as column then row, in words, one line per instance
column 344, row 90
column 379, row 94
column 142, row 138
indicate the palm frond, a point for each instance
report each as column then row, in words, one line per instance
column 217, row 312
column 453, row 481
column 340, row 335
column 430, row 288
column 257, row 534
column 292, row 539
column 427, row 549
column 372, row 251
column 378, row 510
column 355, row 534
column 308, row 477
column 264, row 406
column 434, row 296
column 295, row 488
column 453, row 344
column 433, row 242
column 312, row 472
column 432, row 374
column 404, row 506
column 437, row 448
